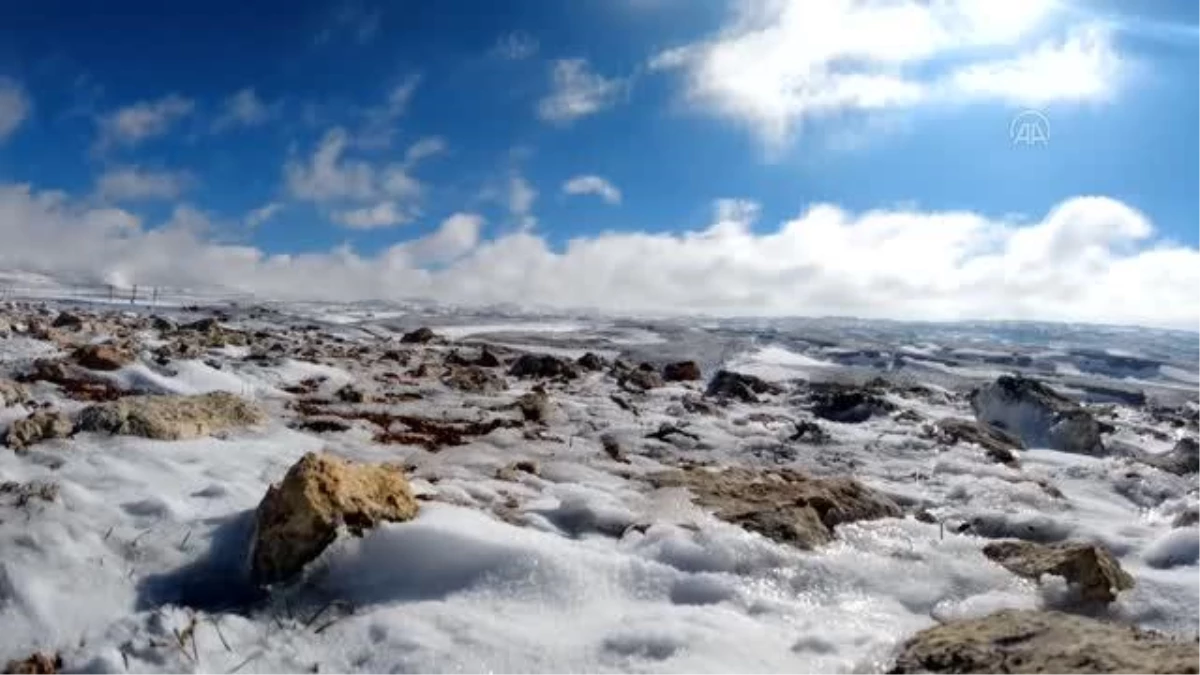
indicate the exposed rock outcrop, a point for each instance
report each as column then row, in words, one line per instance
column 1091, row 568
column 102, row 357
column 999, row 445
column 727, row 384
column 299, row 517
column 529, row 366
column 847, row 404
column 421, row 335
column 171, row 417
column 1182, row 460
column 682, row 371
column 41, row 425
column 1038, row 415
column 784, row 505
column 1028, row 641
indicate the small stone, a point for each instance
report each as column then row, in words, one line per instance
column 299, row 517
column 590, row 361
column 37, row 663
column 12, row 393
column 350, row 394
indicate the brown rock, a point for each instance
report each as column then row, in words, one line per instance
column 37, row 663
column 683, row 371
column 300, row 517
column 1096, row 572
column 474, row 379
column 999, row 445
column 727, row 384
column 783, row 505
column 39, row 426
column 543, row 366
column 1029, row 641
column 171, row 417
column 535, row 406
column 102, row 357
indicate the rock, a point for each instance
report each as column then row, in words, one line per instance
column 12, row 393
column 102, row 357
column 784, row 505
column 420, row 336
column 809, row 432
column 474, row 379
column 67, row 320
column 1092, row 568
column 590, row 361
column 322, row 424
column 1182, row 460
column 612, row 448
column 683, row 371
column 513, row 471
column 542, row 366
column 535, row 406
column 698, row 406
column 487, row 359
column 37, row 663
column 350, row 394
column 1187, row 518
column 727, row 384
column 999, row 445
column 847, row 404
column 76, row 382
column 641, row 379
column 1031, row 641
column 1038, row 415
column 299, row 517
column 162, row 324
column 171, row 417
column 39, row 426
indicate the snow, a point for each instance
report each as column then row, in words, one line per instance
column 582, row 567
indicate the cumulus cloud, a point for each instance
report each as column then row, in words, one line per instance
column 578, row 92
column 327, row 175
column 133, row 183
column 1088, row 259
column 521, row 196
column 384, row 214
column 14, row 106
column 593, row 185
column 142, row 121
column 776, row 64
column 242, row 109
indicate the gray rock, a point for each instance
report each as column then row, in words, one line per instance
column 1038, row 415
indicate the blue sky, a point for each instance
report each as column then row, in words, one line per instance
column 591, row 119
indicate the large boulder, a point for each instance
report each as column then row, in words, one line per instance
column 1182, row 460
column 784, row 505
column 102, row 357
column 171, row 418
column 321, row 493
column 42, row 425
column 998, row 444
column 12, row 393
column 1038, row 415
column 683, row 371
column 1030, row 641
column 528, row 366
column 1096, row 573
column 727, row 384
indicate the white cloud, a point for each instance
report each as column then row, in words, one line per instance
column 776, row 64
column 1088, row 259
column 142, row 121
column 516, row 46
column 429, row 146
column 521, row 196
column 593, row 185
column 457, row 236
column 327, row 176
column 578, row 92
column 14, row 106
column 133, row 183
column 379, row 124
column 384, row 214
column 353, row 20
column 263, row 213
column 242, row 109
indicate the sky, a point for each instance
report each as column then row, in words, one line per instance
column 908, row 159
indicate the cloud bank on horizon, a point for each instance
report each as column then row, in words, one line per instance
column 776, row 73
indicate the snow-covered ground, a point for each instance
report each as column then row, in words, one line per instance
column 138, row 562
